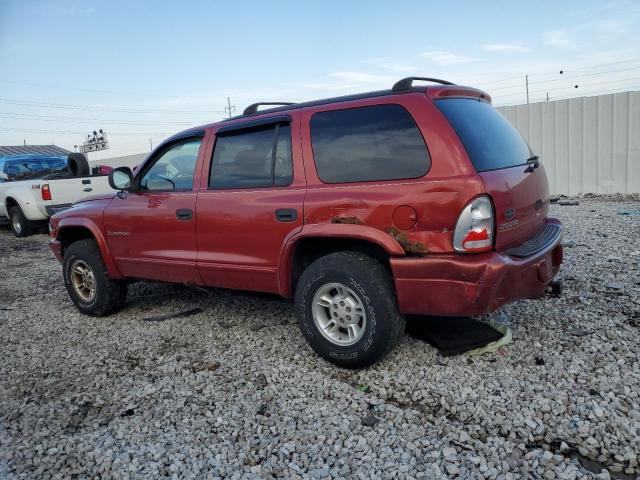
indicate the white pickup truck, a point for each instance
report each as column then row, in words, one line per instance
column 34, row 187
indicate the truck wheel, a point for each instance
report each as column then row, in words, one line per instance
column 87, row 281
column 346, row 308
column 19, row 223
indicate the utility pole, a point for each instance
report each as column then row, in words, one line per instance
column 230, row 108
column 150, row 145
column 547, row 96
column 526, row 82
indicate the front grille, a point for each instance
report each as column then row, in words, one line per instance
column 537, row 243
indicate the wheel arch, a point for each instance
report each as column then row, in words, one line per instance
column 315, row 241
column 10, row 202
column 73, row 229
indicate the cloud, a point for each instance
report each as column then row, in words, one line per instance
column 359, row 77
column 612, row 27
column 558, row 38
column 385, row 64
column 446, row 58
column 505, row 48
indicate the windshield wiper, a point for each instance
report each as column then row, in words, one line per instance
column 532, row 164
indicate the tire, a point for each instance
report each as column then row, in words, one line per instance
column 363, row 280
column 77, row 165
column 20, row 226
column 83, row 267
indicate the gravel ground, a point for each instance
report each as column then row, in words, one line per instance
column 234, row 391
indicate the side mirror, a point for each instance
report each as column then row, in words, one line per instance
column 121, row 178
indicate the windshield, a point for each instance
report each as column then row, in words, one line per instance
column 490, row 140
column 31, row 167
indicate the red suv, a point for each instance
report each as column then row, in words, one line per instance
column 413, row 200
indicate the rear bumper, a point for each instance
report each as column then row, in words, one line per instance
column 53, row 209
column 458, row 284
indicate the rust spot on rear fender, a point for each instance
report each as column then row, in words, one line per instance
column 347, row 220
column 415, row 248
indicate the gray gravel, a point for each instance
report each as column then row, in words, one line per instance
column 234, row 391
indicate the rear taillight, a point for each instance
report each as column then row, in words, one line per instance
column 46, row 193
column 474, row 229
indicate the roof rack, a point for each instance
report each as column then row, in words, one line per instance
column 253, row 108
column 407, row 83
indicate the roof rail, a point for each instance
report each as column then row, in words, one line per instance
column 407, row 83
column 253, row 108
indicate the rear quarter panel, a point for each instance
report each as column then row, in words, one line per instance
column 438, row 197
column 27, row 194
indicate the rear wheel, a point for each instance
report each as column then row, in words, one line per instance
column 19, row 223
column 87, row 281
column 346, row 308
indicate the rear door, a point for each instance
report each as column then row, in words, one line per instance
column 505, row 163
column 151, row 231
column 250, row 202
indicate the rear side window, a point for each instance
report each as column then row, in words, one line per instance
column 252, row 158
column 380, row 142
column 490, row 140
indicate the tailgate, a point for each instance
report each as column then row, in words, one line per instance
column 66, row 191
column 512, row 175
column 520, row 201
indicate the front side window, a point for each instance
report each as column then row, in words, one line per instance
column 380, row 142
column 173, row 170
column 259, row 157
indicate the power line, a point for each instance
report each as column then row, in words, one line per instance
column 70, row 132
column 67, row 106
column 546, row 74
column 109, row 92
column 584, row 95
column 582, row 86
column 54, row 118
column 563, row 78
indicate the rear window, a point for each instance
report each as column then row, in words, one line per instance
column 31, row 168
column 490, row 140
column 380, row 142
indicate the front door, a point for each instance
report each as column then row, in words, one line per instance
column 250, row 203
column 151, row 231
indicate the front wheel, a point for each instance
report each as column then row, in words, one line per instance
column 346, row 308
column 87, row 281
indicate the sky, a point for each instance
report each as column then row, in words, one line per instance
column 142, row 71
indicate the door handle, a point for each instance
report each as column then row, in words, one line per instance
column 184, row 214
column 286, row 215
column 86, row 181
column 88, row 189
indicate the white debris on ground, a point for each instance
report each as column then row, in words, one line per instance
column 234, row 391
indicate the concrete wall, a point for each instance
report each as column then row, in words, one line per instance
column 587, row 145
